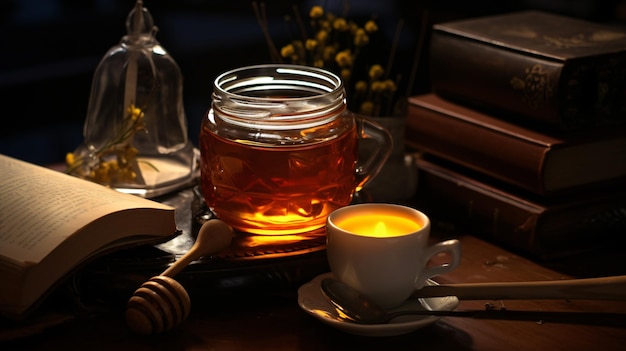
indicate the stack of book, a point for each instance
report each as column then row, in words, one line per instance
column 523, row 139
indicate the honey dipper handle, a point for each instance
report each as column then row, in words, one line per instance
column 213, row 236
column 604, row 288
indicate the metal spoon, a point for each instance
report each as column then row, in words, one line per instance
column 359, row 309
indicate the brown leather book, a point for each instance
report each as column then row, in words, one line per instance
column 541, row 68
column 545, row 164
column 529, row 225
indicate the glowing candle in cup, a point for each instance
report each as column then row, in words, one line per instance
column 379, row 225
column 382, row 250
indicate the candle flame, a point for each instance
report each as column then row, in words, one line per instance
column 379, row 225
column 380, row 229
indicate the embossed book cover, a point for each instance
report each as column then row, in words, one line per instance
column 546, row 69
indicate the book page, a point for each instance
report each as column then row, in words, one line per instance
column 40, row 208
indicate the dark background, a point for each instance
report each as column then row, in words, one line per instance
column 50, row 49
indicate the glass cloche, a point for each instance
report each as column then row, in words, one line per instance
column 135, row 132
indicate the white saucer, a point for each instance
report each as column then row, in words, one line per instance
column 312, row 301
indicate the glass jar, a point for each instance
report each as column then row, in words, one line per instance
column 279, row 149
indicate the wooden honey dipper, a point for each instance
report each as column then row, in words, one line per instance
column 162, row 303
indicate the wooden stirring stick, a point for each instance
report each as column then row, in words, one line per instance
column 604, row 288
column 162, row 303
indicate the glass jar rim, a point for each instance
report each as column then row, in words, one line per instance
column 278, row 96
column 261, row 75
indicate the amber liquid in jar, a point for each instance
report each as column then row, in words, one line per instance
column 279, row 149
column 265, row 189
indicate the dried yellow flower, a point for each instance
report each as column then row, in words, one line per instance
column 114, row 161
column 377, row 86
column 360, row 86
column 346, row 74
column 338, row 44
column 70, row 160
column 101, row 173
column 316, row 12
column 340, row 24
column 361, row 38
column 135, row 113
column 310, row 44
column 344, row 59
column 376, row 72
column 322, row 35
column 329, row 53
column 371, row 26
column 287, row 51
column 389, row 85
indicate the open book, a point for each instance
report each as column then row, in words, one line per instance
column 52, row 223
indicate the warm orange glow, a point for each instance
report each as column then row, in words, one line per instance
column 260, row 240
column 379, row 225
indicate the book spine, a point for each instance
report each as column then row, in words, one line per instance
column 523, row 224
column 491, row 214
column 517, row 161
column 532, row 89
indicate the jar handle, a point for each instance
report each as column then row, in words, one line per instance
column 367, row 169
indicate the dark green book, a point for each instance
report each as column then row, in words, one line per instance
column 541, row 68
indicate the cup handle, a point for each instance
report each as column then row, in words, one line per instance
column 367, row 170
column 453, row 247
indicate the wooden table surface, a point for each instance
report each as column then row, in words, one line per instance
column 275, row 322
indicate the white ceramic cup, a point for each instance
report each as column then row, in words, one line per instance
column 382, row 250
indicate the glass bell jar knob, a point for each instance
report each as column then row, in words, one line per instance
column 135, row 132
